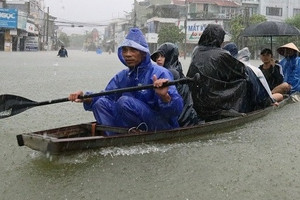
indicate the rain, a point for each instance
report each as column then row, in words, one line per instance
column 258, row 159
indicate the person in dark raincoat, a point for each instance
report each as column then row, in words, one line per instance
column 167, row 56
column 159, row 109
column 62, row 52
column 224, row 87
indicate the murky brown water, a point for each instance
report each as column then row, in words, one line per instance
column 259, row 160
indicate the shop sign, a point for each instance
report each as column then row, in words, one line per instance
column 13, row 32
column 8, row 18
column 31, row 28
column 31, row 43
column 196, row 28
column 152, row 37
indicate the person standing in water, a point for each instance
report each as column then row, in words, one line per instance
column 62, row 52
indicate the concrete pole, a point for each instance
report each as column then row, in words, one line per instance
column 185, row 27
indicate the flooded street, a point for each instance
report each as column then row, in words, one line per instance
column 259, row 160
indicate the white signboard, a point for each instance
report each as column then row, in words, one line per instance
column 151, row 37
column 31, row 28
column 196, row 28
column 16, row 1
column 31, row 43
column 13, row 32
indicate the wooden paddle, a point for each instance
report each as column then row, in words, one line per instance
column 11, row 104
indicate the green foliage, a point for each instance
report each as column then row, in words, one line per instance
column 295, row 21
column 239, row 23
column 254, row 19
column 170, row 33
column 63, row 37
column 236, row 27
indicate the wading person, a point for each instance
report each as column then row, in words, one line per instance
column 62, row 52
column 159, row 109
column 167, row 56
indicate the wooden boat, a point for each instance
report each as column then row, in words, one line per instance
column 90, row 136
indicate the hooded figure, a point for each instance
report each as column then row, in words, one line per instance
column 224, row 85
column 170, row 53
column 131, row 109
column 231, row 48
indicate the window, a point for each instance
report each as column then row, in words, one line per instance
column 274, row 11
column 296, row 11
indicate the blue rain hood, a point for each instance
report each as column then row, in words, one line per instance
column 135, row 39
column 232, row 48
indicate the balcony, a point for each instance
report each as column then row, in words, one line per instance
column 253, row 2
column 208, row 15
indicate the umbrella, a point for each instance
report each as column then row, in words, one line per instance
column 270, row 29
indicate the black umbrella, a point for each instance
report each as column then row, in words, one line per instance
column 270, row 29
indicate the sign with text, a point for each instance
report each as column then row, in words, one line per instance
column 8, row 18
column 31, row 43
column 151, row 37
column 31, row 28
column 196, row 28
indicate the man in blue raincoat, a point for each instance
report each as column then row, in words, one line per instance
column 159, row 109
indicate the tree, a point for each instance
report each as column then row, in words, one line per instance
column 237, row 26
column 170, row 33
column 239, row 23
column 294, row 21
column 64, row 38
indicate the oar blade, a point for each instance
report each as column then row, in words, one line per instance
column 11, row 105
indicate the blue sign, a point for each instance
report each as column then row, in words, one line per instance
column 8, row 18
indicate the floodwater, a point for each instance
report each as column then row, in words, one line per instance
column 259, row 160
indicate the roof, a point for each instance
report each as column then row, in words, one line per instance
column 226, row 3
column 222, row 3
column 163, row 20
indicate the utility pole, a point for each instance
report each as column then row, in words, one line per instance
column 47, row 32
column 246, row 22
column 134, row 14
column 185, row 27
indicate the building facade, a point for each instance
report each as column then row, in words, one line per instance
column 25, row 26
column 278, row 10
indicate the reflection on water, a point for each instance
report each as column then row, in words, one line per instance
column 259, row 160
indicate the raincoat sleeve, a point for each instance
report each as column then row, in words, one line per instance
column 278, row 74
column 175, row 106
column 296, row 81
column 292, row 76
column 88, row 106
column 114, row 83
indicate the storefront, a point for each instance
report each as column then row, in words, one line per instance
column 8, row 28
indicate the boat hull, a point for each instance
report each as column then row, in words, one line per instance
column 82, row 136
